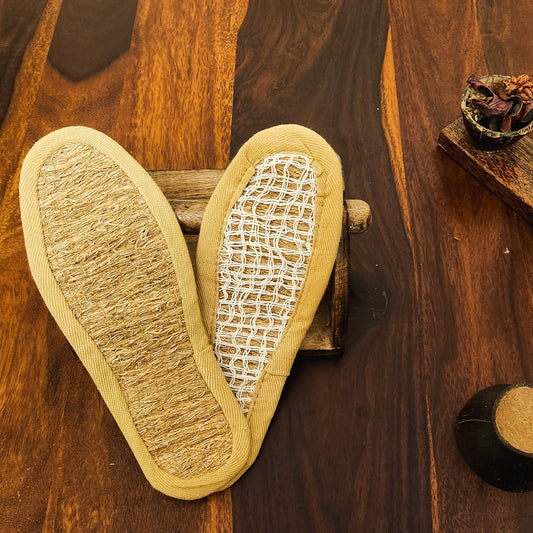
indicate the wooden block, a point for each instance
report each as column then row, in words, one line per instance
column 508, row 173
column 188, row 192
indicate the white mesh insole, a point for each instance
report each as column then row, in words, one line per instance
column 267, row 244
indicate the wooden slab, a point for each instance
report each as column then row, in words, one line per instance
column 188, row 192
column 508, row 173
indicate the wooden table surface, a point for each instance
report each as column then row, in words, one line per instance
column 441, row 285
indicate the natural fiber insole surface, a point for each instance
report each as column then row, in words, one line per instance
column 267, row 244
column 110, row 259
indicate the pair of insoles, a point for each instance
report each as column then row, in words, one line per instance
column 192, row 382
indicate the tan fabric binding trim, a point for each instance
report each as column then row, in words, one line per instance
column 328, row 210
column 207, row 440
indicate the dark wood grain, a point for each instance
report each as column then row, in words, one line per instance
column 501, row 32
column 470, row 252
column 440, row 290
column 90, row 35
column 441, row 284
column 65, row 465
column 177, row 114
column 322, row 441
column 508, row 173
column 19, row 21
column 341, row 289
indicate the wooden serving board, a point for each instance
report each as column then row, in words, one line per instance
column 508, row 173
column 188, row 192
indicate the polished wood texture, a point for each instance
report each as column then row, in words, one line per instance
column 508, row 173
column 441, row 284
column 438, row 308
column 91, row 35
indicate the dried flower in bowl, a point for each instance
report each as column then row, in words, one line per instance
column 497, row 110
column 504, row 109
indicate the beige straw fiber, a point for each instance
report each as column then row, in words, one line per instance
column 513, row 418
column 117, row 276
column 98, row 244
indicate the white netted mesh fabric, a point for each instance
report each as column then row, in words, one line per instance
column 265, row 252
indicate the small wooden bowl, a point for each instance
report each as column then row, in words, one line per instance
column 494, row 433
column 485, row 138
